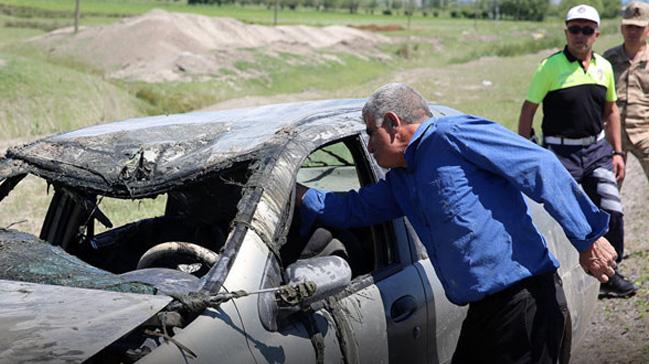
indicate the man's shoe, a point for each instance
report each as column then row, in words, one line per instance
column 617, row 286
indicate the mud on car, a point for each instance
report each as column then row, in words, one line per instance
column 173, row 239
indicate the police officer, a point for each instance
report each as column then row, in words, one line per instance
column 630, row 62
column 581, row 123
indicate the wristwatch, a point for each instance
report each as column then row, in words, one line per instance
column 621, row 154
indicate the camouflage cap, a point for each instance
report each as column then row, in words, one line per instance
column 636, row 13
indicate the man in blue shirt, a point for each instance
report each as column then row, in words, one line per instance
column 459, row 181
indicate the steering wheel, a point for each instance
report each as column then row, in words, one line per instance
column 186, row 257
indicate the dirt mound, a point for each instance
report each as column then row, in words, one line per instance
column 164, row 46
column 379, row 27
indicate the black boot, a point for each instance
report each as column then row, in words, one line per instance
column 618, row 287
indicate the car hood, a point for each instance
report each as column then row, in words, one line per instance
column 46, row 323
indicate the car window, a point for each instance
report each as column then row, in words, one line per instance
column 25, row 207
column 331, row 168
column 182, row 229
column 342, row 166
column 123, row 211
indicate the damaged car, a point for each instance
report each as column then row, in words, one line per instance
column 205, row 262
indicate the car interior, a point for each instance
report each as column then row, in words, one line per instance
column 340, row 166
column 197, row 216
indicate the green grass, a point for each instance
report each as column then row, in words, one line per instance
column 121, row 211
column 25, row 207
column 250, row 13
column 41, row 94
column 277, row 78
column 37, row 97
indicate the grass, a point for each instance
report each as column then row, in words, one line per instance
column 37, row 97
column 41, row 94
column 277, row 78
column 121, row 212
column 250, row 13
column 26, row 214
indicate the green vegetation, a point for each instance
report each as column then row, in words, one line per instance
column 121, row 211
column 37, row 97
column 41, row 93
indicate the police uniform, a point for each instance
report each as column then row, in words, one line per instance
column 573, row 106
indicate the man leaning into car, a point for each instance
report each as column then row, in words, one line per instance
column 460, row 181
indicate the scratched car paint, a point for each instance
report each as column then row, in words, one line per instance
column 196, row 282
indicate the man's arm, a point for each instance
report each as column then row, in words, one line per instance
column 539, row 174
column 613, row 134
column 526, row 119
column 372, row 204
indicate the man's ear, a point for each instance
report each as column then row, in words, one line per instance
column 392, row 121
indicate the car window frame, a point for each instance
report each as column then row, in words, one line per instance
column 393, row 231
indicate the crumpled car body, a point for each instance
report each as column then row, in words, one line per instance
column 196, row 281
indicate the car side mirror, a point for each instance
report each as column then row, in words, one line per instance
column 330, row 274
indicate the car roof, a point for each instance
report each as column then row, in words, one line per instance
column 149, row 154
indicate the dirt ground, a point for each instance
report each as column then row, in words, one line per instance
column 163, row 46
column 619, row 331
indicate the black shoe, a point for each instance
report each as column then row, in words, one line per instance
column 617, row 286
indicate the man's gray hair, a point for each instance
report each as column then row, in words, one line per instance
column 398, row 98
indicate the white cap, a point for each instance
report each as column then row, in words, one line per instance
column 585, row 12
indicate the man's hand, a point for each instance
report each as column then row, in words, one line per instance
column 300, row 190
column 619, row 168
column 599, row 260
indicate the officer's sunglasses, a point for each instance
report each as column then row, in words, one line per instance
column 576, row 29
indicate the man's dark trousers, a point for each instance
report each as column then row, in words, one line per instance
column 525, row 323
column 592, row 167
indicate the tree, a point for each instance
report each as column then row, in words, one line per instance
column 351, row 5
column 525, row 9
column 195, row 2
column 610, row 8
column 565, row 5
column 329, row 4
column 371, row 5
column 292, row 4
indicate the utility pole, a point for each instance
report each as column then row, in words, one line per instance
column 77, row 13
column 274, row 12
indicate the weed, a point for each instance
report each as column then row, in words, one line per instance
column 243, row 65
column 44, row 26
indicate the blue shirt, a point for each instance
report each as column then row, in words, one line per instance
column 461, row 190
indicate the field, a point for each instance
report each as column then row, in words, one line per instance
column 438, row 51
column 476, row 66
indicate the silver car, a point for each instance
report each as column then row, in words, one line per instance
column 219, row 271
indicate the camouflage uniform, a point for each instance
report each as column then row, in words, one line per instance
column 632, row 86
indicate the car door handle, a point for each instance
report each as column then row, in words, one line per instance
column 403, row 308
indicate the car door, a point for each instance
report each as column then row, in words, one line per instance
column 382, row 316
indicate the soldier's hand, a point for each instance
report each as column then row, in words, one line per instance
column 599, row 260
column 619, row 168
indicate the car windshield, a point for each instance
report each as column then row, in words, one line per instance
column 98, row 241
